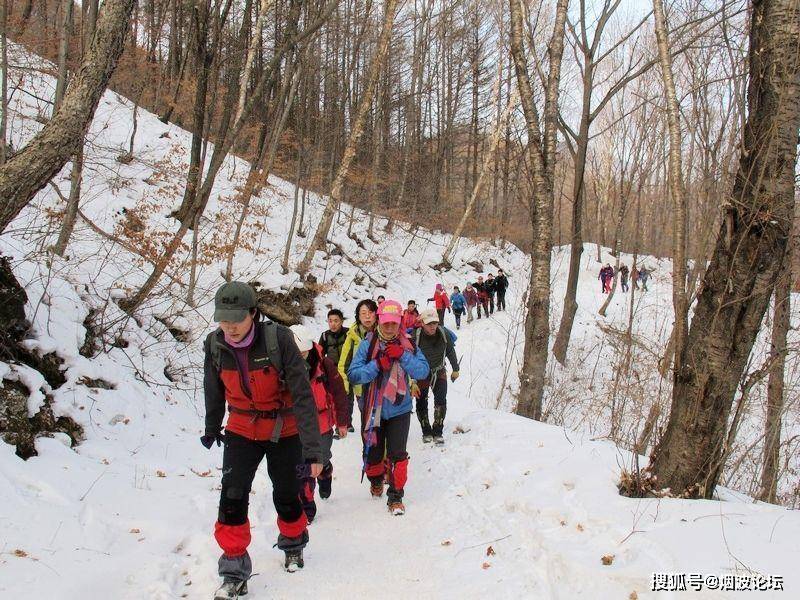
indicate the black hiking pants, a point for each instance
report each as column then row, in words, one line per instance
column 439, row 388
column 240, row 461
column 501, row 300
column 390, row 441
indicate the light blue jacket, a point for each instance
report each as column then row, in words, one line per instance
column 364, row 371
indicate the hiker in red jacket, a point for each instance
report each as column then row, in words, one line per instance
column 442, row 301
column 333, row 409
column 483, row 297
column 410, row 317
column 254, row 369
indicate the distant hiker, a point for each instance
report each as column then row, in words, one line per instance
column 333, row 413
column 500, row 286
column 379, row 299
column 459, row 303
column 471, row 296
column 387, row 360
column 441, row 300
column 332, row 342
column 436, row 342
column 606, row 277
column 366, row 320
column 635, row 278
column 483, row 296
column 490, row 290
column 644, row 275
column 623, row 277
column 253, row 367
column 410, row 316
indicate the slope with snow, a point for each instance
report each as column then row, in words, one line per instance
column 509, row 505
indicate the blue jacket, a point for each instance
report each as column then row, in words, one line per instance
column 364, row 371
column 457, row 300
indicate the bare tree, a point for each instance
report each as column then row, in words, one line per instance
column 750, row 249
column 3, row 80
column 33, row 166
column 321, row 235
column 542, row 152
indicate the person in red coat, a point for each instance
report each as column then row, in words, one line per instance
column 333, row 409
column 254, row 372
column 410, row 317
column 442, row 301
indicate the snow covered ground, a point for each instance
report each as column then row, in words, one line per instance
column 509, row 506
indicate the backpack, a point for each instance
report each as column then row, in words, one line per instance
column 270, row 331
column 444, row 332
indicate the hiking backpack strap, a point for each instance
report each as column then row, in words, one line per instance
column 213, row 349
column 273, row 349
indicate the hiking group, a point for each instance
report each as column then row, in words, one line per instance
column 478, row 295
column 637, row 276
column 288, row 396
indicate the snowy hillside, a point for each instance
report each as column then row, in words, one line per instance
column 508, row 506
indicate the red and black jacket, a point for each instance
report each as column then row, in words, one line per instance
column 254, row 414
column 328, row 389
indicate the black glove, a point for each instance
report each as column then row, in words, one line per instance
column 208, row 439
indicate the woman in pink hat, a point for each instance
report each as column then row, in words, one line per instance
column 385, row 363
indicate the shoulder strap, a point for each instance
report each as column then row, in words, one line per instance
column 213, row 348
column 443, row 333
column 417, row 333
column 273, row 349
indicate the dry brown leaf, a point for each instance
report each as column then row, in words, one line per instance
column 579, row 527
column 161, row 474
column 633, row 596
column 607, row 559
column 446, row 543
column 485, row 565
column 490, row 551
column 563, row 523
column 20, row 553
column 201, row 473
column 135, row 530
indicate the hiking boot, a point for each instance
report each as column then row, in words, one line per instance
column 230, row 590
column 376, row 489
column 438, row 440
column 294, row 560
column 397, row 508
column 427, row 438
column 325, row 487
column 350, row 429
column 336, row 435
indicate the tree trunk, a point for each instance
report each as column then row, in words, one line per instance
column 36, row 164
column 781, row 324
column 64, row 30
column 677, row 189
column 747, row 258
column 542, row 151
column 71, row 211
column 321, row 235
column 3, row 80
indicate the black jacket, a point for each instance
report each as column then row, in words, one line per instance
column 332, row 343
column 501, row 283
column 295, row 375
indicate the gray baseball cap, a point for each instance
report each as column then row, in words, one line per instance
column 233, row 301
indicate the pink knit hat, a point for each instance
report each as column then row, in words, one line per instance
column 439, row 287
column 390, row 311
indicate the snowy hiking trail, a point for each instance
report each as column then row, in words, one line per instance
column 129, row 512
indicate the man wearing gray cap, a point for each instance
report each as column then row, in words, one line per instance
column 253, row 367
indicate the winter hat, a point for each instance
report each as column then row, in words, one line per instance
column 233, row 301
column 302, row 337
column 390, row 311
column 439, row 287
column 429, row 316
